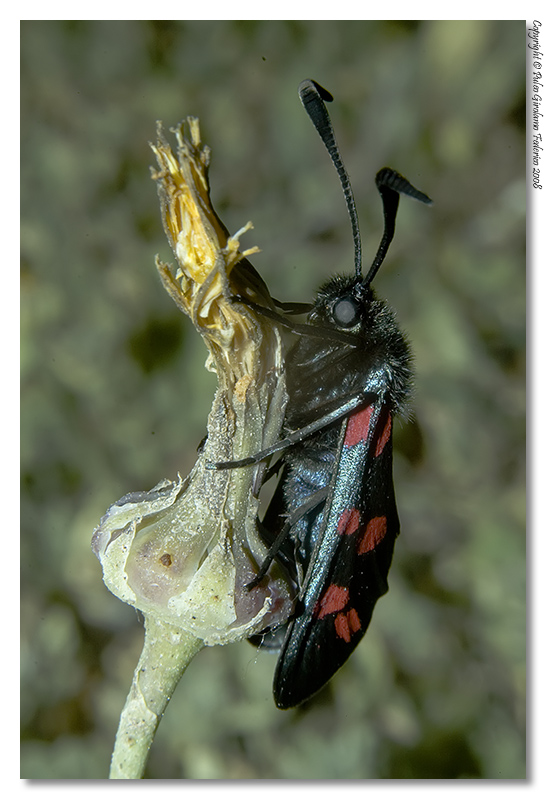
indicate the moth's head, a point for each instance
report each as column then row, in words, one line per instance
column 345, row 303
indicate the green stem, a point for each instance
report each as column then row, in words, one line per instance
column 166, row 654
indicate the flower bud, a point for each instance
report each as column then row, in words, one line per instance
column 185, row 551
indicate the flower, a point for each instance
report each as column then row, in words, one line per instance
column 185, row 551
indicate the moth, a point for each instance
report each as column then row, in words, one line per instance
column 332, row 520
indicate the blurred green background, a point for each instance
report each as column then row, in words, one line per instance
column 115, row 396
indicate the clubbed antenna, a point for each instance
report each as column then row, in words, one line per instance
column 389, row 182
column 313, row 96
column 391, row 185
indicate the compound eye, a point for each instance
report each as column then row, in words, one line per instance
column 345, row 312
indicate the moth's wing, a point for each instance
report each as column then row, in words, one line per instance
column 350, row 563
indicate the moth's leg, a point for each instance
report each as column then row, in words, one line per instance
column 344, row 409
column 317, row 498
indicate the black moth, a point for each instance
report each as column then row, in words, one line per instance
column 332, row 519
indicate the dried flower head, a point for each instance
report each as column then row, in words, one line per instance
column 184, row 551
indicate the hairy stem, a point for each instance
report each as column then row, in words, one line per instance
column 166, row 654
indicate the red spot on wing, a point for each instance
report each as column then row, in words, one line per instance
column 384, row 437
column 375, row 532
column 349, row 522
column 358, row 426
column 347, row 624
column 334, row 598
